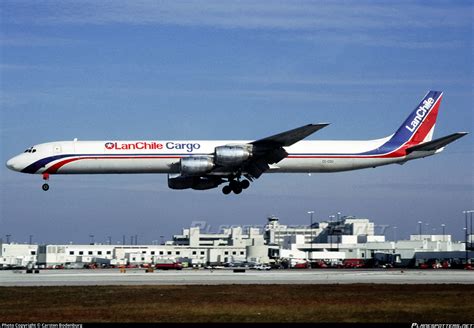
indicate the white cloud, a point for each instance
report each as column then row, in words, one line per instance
column 16, row 67
column 373, row 40
column 367, row 81
column 19, row 40
column 364, row 23
column 244, row 14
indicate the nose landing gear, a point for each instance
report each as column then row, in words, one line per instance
column 45, row 186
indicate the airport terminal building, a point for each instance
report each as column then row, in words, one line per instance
column 329, row 242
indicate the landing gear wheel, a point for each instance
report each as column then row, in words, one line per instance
column 245, row 184
column 226, row 190
column 45, row 187
column 237, row 189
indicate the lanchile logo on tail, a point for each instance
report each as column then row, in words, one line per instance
column 420, row 114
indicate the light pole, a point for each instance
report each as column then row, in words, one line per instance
column 330, row 227
column 470, row 233
column 465, row 217
column 419, row 232
column 394, row 233
column 444, row 232
column 465, row 230
column 465, row 233
column 92, row 239
column 311, row 231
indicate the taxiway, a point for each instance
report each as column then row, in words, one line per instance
column 219, row 277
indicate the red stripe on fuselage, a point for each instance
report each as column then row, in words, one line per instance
column 417, row 138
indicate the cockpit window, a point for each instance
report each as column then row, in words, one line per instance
column 30, row 150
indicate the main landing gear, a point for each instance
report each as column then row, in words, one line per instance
column 45, row 186
column 236, row 186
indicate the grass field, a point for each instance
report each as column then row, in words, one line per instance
column 240, row 303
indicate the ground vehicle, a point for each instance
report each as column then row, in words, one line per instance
column 423, row 266
column 262, row 267
column 300, row 265
column 446, row 265
column 353, row 263
column 319, row 264
column 169, row 266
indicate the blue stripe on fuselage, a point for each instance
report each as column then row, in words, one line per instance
column 33, row 168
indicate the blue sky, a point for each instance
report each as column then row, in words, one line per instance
column 231, row 70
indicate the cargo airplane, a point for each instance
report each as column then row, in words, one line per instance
column 204, row 165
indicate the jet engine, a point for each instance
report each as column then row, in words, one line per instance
column 196, row 165
column 232, row 155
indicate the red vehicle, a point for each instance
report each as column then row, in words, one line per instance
column 169, row 266
column 446, row 265
column 423, row 266
column 319, row 264
column 300, row 265
column 353, row 263
column 131, row 266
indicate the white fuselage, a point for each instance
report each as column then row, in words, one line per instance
column 94, row 157
column 205, row 164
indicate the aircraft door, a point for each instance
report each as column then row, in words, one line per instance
column 64, row 148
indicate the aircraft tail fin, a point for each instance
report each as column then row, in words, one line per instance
column 419, row 125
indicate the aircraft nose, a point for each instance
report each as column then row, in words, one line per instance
column 11, row 164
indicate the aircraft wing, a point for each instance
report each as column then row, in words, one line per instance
column 270, row 150
column 437, row 143
column 257, row 156
column 290, row 137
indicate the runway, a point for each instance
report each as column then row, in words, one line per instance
column 218, row 277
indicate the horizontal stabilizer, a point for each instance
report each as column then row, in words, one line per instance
column 290, row 137
column 436, row 144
